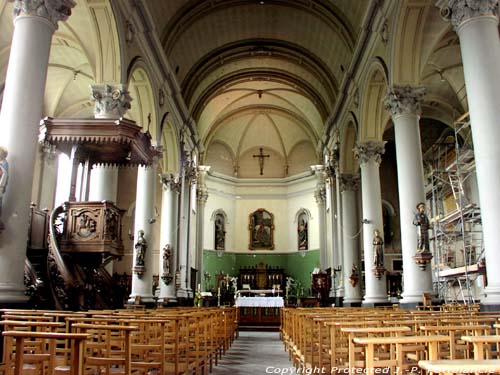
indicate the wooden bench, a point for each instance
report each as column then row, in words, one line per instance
column 370, row 332
column 399, row 363
column 45, row 359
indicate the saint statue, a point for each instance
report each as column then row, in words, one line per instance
column 422, row 222
column 140, row 247
column 220, row 233
column 302, row 234
column 166, row 259
column 378, row 249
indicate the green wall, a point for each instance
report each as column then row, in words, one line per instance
column 295, row 265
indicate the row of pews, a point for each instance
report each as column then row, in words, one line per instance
column 391, row 341
column 140, row 342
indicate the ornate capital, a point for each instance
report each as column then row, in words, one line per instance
column 52, row 10
column 404, row 99
column 170, row 181
column 320, row 195
column 111, row 101
column 369, row 151
column 202, row 195
column 349, row 182
column 49, row 152
column 459, row 11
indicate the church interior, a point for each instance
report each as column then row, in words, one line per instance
column 177, row 175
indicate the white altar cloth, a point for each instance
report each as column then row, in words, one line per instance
column 260, row 302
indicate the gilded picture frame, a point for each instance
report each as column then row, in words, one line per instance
column 261, row 230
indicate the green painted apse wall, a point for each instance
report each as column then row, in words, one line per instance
column 295, row 265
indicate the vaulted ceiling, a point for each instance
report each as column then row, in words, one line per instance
column 260, row 73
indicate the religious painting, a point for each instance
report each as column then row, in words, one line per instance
column 302, row 234
column 220, row 232
column 261, row 227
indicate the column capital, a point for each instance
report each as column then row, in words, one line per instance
column 404, row 99
column 170, row 181
column 52, row 10
column 202, row 195
column 111, row 100
column 320, row 195
column 349, row 182
column 49, row 152
column 369, row 151
column 459, row 11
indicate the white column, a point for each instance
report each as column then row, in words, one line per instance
column 104, row 183
column 144, row 219
column 168, row 238
column 340, row 251
column 201, row 200
column 476, row 23
column 369, row 155
column 403, row 102
column 320, row 195
column 184, row 265
column 34, row 24
column 111, row 101
column 349, row 183
column 48, row 177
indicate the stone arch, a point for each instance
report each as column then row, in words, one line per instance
column 170, row 142
column 407, row 46
column 348, row 163
column 373, row 114
column 77, row 62
column 144, row 105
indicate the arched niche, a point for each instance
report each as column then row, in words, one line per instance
column 373, row 114
column 302, row 218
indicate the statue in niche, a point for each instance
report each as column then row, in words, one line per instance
column 302, row 232
column 220, row 232
column 422, row 222
column 378, row 249
column 140, row 247
column 4, row 178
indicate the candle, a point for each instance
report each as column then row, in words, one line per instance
column 199, row 287
column 218, row 291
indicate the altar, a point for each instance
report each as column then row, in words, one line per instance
column 259, row 310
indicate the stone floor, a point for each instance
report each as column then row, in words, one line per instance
column 255, row 353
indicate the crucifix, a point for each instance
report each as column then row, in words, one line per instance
column 261, row 157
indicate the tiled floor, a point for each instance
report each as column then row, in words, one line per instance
column 255, row 353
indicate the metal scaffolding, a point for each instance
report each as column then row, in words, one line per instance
column 457, row 232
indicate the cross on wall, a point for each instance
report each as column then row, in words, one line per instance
column 261, row 157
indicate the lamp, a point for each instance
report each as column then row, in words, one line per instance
column 302, row 253
column 219, row 253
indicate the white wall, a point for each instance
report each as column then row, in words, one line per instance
column 238, row 198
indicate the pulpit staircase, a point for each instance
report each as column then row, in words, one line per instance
column 62, row 280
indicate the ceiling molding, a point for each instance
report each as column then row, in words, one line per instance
column 249, row 49
column 267, row 75
column 195, row 10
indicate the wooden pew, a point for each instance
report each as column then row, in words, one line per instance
column 24, row 355
column 398, row 363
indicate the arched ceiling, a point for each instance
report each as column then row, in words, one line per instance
column 259, row 73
